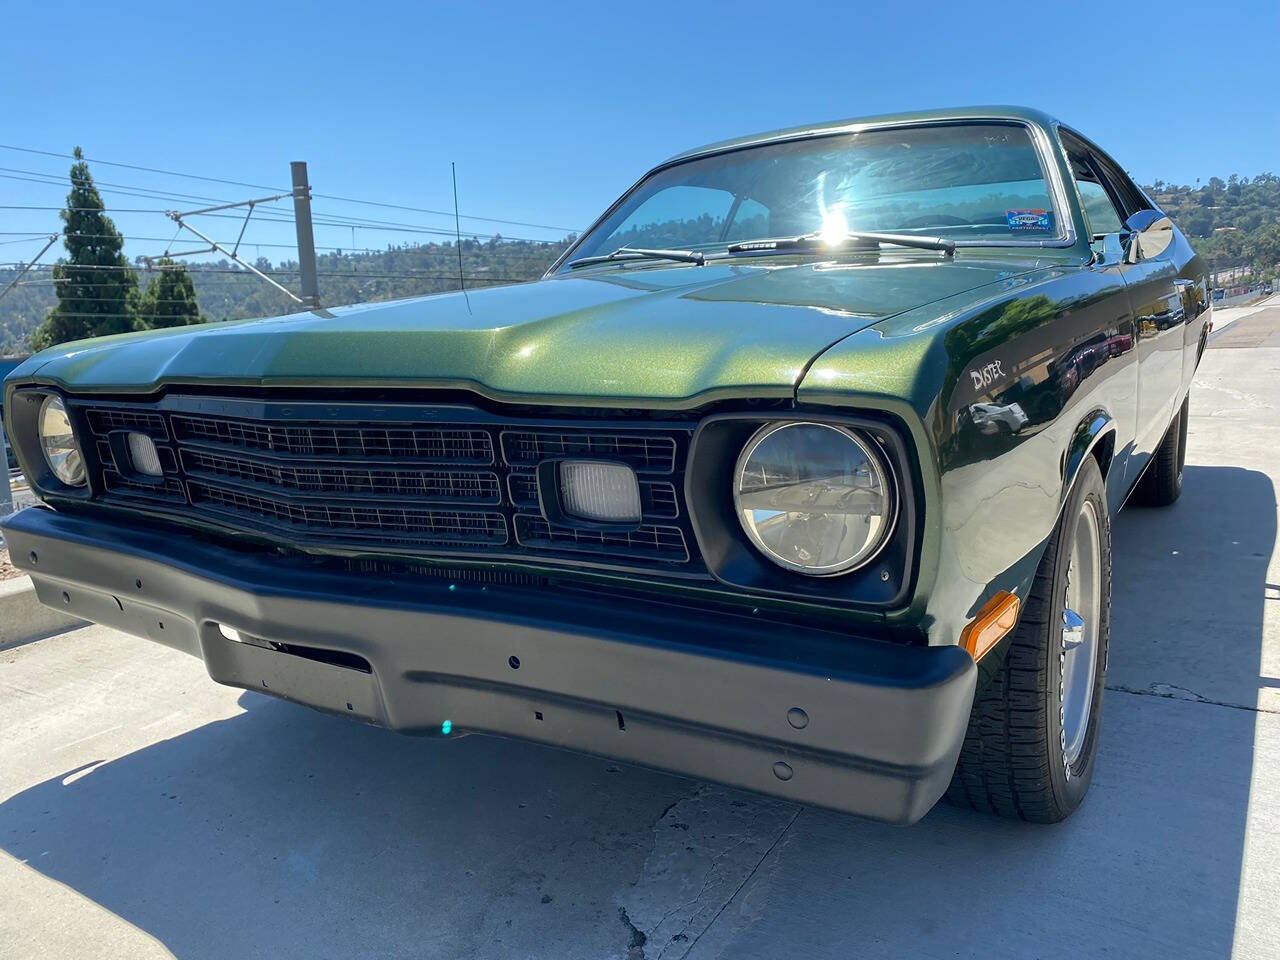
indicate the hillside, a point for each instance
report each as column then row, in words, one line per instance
column 1235, row 222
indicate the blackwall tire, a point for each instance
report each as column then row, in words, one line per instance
column 1032, row 739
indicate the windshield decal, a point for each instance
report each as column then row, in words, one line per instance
column 1029, row 221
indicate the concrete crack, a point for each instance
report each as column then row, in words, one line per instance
column 747, row 879
column 1169, row 691
column 711, row 874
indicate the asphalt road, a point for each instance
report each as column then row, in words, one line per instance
column 146, row 812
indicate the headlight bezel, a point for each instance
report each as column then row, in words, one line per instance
column 885, row 582
column 22, row 411
column 74, row 451
column 867, row 446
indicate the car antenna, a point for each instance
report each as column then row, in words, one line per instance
column 457, row 234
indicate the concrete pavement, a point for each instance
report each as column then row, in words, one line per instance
column 146, row 812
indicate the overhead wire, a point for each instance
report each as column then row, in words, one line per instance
column 259, row 186
column 210, row 279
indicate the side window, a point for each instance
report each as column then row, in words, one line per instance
column 1098, row 208
column 1130, row 197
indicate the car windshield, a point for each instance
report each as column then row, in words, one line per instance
column 964, row 181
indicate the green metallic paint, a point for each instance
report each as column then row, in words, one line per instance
column 659, row 336
column 905, row 333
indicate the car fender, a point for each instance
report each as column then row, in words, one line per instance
column 1094, row 434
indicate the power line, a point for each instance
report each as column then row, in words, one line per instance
column 133, row 166
column 443, row 213
column 14, row 282
column 335, row 219
column 54, row 180
column 125, row 299
column 137, row 316
column 349, row 274
column 106, row 236
column 278, row 216
column 259, row 186
column 269, row 215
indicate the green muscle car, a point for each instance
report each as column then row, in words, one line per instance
column 795, row 472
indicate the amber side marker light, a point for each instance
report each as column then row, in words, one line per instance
column 996, row 618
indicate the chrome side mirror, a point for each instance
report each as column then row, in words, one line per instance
column 1150, row 234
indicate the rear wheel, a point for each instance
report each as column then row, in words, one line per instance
column 1032, row 738
column 1161, row 483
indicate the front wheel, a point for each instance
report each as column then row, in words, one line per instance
column 1032, row 738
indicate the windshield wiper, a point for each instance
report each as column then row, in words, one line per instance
column 641, row 253
column 809, row 240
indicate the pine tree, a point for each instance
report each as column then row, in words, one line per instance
column 97, row 291
column 170, row 298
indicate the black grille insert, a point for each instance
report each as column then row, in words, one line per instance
column 370, row 482
column 365, row 442
column 359, row 523
column 644, row 453
column 408, row 480
column 666, row 543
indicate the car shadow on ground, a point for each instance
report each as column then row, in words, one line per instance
column 281, row 832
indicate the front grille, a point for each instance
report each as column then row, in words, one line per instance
column 104, row 421
column 665, row 543
column 356, row 523
column 530, row 447
column 365, row 482
column 383, row 480
column 363, row 442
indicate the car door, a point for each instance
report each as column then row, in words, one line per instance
column 1152, row 284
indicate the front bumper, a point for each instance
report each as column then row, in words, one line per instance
column 706, row 694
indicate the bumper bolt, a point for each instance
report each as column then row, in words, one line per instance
column 797, row 718
column 782, row 770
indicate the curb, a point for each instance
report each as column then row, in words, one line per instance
column 23, row 618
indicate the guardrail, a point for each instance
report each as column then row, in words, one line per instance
column 1245, row 297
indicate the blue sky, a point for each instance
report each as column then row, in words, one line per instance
column 550, row 111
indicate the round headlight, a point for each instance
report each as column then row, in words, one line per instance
column 813, row 497
column 59, row 443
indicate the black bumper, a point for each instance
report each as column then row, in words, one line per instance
column 706, row 694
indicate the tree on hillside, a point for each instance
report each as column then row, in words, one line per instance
column 170, row 298
column 97, row 291
column 1263, row 248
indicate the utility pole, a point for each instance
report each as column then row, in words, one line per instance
column 306, row 240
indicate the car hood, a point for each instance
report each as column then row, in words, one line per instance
column 665, row 336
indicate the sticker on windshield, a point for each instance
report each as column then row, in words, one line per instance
column 1030, row 221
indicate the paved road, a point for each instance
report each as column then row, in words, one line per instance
column 145, row 812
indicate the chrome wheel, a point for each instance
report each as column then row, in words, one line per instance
column 1080, row 622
